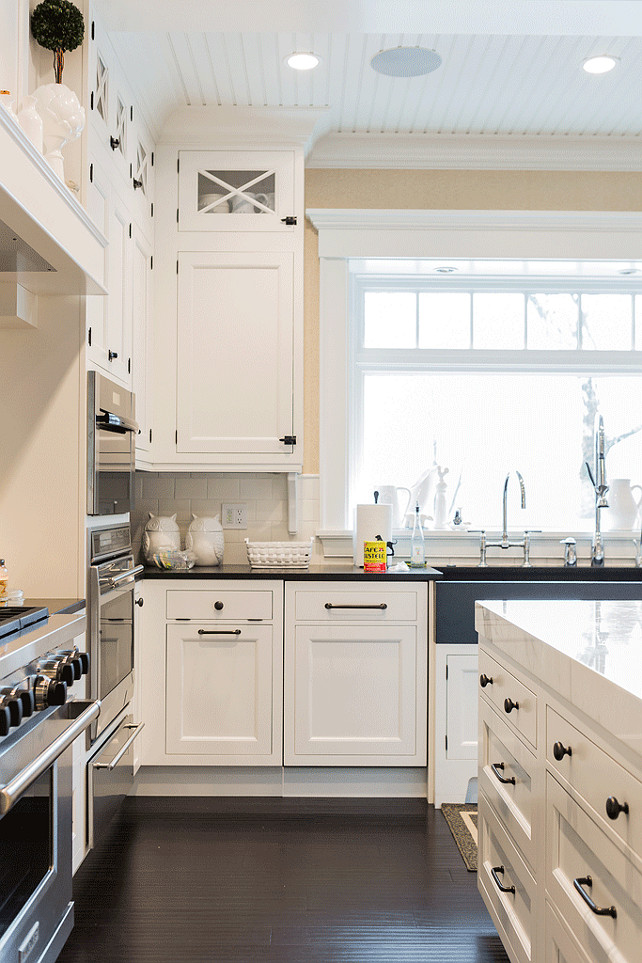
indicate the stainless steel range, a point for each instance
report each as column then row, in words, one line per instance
column 39, row 720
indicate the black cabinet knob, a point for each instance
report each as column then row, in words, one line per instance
column 485, row 680
column 139, row 603
column 218, row 606
column 112, row 355
column 614, row 808
column 28, row 702
column 5, row 721
column 114, row 142
column 560, row 750
column 509, row 705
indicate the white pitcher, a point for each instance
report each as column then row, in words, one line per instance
column 389, row 495
column 623, row 506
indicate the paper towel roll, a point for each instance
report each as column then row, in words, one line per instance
column 370, row 521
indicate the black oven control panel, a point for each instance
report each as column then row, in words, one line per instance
column 40, row 685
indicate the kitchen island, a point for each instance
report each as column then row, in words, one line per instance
column 560, row 777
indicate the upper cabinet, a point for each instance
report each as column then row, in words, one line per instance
column 229, row 296
column 254, row 191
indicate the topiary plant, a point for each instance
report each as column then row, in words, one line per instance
column 58, row 25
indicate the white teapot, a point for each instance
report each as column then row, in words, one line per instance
column 161, row 531
column 205, row 539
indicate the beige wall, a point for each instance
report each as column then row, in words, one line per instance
column 439, row 190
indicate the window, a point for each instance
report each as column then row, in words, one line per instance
column 485, row 375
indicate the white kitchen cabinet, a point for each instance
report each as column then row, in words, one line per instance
column 456, row 723
column 228, row 293
column 109, row 319
column 355, row 682
column 235, row 363
column 110, row 112
column 219, row 690
column 142, row 342
column 212, row 673
column 236, row 191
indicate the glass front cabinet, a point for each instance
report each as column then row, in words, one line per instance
column 236, row 190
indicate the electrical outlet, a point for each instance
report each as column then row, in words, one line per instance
column 234, row 516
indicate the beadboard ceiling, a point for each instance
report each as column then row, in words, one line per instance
column 511, row 73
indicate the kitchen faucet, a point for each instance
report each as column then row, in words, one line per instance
column 505, row 541
column 601, row 488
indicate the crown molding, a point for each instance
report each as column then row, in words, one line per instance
column 370, row 219
column 475, row 152
column 251, row 127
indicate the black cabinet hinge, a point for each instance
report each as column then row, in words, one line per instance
column 130, row 230
column 151, row 262
column 91, row 173
column 446, row 671
column 150, row 436
column 91, row 101
column 93, row 30
column 89, row 337
column 177, row 267
column 446, row 742
column 177, row 215
column 176, row 436
column 129, row 366
column 178, row 165
column 290, row 220
column 151, row 209
column 152, row 158
column 131, row 171
column 131, row 114
column 288, row 439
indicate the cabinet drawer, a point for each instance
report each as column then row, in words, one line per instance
column 577, row 851
column 509, row 778
column 343, row 602
column 500, row 865
column 511, row 698
column 221, row 605
column 597, row 778
column 561, row 945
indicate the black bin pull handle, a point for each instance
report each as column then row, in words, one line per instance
column 380, row 605
column 579, row 885
column 498, row 883
column 219, row 631
column 495, row 766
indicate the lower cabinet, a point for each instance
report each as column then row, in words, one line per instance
column 456, row 724
column 355, row 675
column 220, row 692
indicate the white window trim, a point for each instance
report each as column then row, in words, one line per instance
column 345, row 234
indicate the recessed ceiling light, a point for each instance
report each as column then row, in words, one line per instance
column 600, row 65
column 405, row 61
column 445, row 269
column 303, row 61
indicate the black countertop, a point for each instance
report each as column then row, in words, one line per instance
column 541, row 573
column 333, row 572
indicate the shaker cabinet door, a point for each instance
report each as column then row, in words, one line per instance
column 235, row 353
column 223, row 694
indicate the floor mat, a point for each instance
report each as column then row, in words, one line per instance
column 462, row 821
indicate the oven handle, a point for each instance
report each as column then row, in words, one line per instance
column 112, row 765
column 12, row 791
column 136, row 570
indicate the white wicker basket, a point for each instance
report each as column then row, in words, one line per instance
column 279, row 554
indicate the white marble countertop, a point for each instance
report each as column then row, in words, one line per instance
column 589, row 653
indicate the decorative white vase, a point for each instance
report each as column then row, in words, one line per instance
column 63, row 120
column 31, row 121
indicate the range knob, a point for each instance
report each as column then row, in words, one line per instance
column 84, row 662
column 49, row 692
column 28, row 700
column 15, row 711
column 5, row 720
column 58, row 670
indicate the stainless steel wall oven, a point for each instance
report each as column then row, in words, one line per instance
column 111, row 441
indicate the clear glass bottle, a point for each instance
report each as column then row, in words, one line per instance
column 417, row 543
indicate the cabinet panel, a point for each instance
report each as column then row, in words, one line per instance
column 219, row 604
column 235, row 190
column 219, row 694
column 461, row 707
column 511, row 698
column 352, row 696
column 235, row 352
column 342, row 602
column 141, row 299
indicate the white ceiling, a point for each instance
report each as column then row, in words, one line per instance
column 511, row 70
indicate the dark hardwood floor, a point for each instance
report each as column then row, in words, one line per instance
column 289, row 881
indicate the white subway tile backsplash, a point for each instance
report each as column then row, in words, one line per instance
column 158, row 485
column 223, row 488
column 252, row 487
column 269, row 511
column 176, row 506
column 187, row 487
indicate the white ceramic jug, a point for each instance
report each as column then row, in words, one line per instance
column 623, row 506
column 389, row 495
